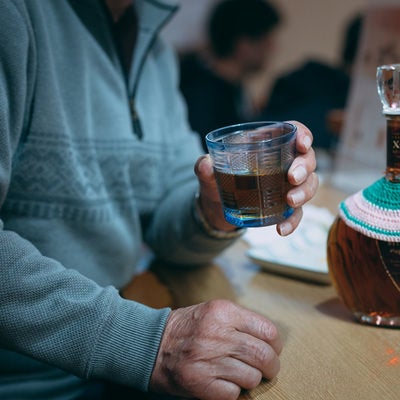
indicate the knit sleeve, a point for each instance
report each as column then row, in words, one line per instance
column 47, row 312
column 175, row 232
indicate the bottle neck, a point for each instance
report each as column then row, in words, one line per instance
column 392, row 172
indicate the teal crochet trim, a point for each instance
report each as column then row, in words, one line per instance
column 384, row 194
column 366, row 226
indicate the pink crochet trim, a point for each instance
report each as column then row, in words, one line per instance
column 371, row 220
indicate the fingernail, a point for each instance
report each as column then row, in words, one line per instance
column 204, row 167
column 298, row 198
column 307, row 142
column 285, row 228
column 299, row 173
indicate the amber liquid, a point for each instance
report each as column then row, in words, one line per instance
column 254, row 200
column 366, row 274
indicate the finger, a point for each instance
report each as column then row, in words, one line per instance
column 304, row 137
column 303, row 165
column 289, row 225
column 221, row 389
column 257, row 354
column 241, row 373
column 260, row 327
column 299, row 195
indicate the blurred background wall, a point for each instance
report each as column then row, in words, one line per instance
column 311, row 29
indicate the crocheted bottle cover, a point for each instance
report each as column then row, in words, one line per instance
column 374, row 211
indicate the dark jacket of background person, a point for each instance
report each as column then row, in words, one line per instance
column 216, row 98
column 310, row 92
column 212, row 101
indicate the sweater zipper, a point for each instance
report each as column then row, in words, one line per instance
column 136, row 125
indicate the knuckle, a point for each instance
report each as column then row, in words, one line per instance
column 220, row 307
column 315, row 180
column 312, row 154
column 312, row 184
column 269, row 362
column 265, row 355
column 270, row 330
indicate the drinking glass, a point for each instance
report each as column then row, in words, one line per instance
column 251, row 161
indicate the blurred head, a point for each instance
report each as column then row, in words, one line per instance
column 243, row 30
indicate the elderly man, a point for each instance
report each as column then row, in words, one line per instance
column 96, row 158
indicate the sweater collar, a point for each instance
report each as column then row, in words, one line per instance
column 152, row 15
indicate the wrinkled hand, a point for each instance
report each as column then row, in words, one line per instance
column 301, row 175
column 212, row 350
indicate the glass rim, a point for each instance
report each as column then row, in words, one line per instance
column 214, row 138
column 388, row 67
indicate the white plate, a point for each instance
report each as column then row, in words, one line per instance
column 300, row 255
column 299, row 266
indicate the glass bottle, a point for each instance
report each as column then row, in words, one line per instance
column 364, row 241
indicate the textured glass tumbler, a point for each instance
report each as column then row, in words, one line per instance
column 251, row 162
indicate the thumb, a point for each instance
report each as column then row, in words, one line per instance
column 205, row 174
column 204, row 169
column 209, row 200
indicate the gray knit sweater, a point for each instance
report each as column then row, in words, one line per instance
column 80, row 192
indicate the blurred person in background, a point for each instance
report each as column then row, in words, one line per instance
column 240, row 40
column 316, row 92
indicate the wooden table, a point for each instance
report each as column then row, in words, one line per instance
column 327, row 355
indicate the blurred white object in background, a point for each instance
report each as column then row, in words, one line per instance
column 361, row 156
column 187, row 29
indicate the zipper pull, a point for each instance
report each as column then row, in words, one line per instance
column 136, row 125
